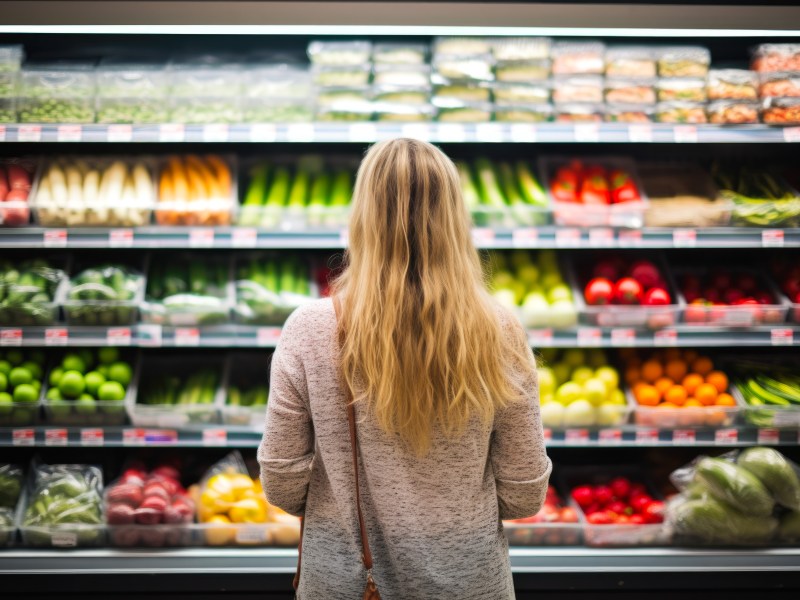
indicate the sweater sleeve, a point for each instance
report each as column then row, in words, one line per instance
column 286, row 451
column 519, row 460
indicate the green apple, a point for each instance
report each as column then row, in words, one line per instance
column 535, row 310
column 59, row 407
column 559, row 292
column 582, row 374
column 55, row 375
column 502, row 279
column 547, row 399
column 551, row 280
column 5, row 367
column 529, row 275
column 506, row 298
column 552, row 414
column 120, row 372
column 73, row 362
column 93, row 381
column 579, row 414
column 610, row 414
column 574, row 357
column 85, row 405
column 617, row 397
column 3, row 382
column 563, row 314
column 609, row 375
column 108, row 355
column 595, row 391
column 519, row 291
column 547, row 380
column 6, row 402
column 561, row 371
column 71, row 384
column 568, row 393
column 25, row 393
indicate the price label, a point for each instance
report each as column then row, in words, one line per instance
column 244, row 237
column 623, row 337
column 768, row 436
column 416, row 131
column 149, row 335
column 587, row 132
column 640, row 133
column 646, row 437
column 772, row 238
column 69, row 133
column 344, row 238
column 268, row 336
column 56, row 336
column 160, row 436
column 781, row 337
column 482, row 236
column 263, row 132
column 665, row 337
column 29, row 133
column 120, row 238
column 171, row 132
column 526, row 237
column 576, row 436
column 491, row 133
column 23, row 437
column 602, row 237
column 300, row 132
column 684, row 238
column 251, row 534
column 118, row 336
column 64, row 539
column 119, row 133
column 723, row 437
column 92, row 437
column 55, row 437
column 132, row 437
column 201, row 238
column 609, row 437
column 11, row 337
column 540, row 338
column 523, row 133
column 452, row 132
column 2, row 133
column 55, row 238
column 187, row 336
column 216, row 132
column 362, row 132
column 215, row 437
column 568, row 238
column 547, row 434
column 685, row 134
column 683, row 437
column 629, row 238
column 589, row 336
column 791, row 134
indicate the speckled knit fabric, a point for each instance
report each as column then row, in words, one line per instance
column 433, row 522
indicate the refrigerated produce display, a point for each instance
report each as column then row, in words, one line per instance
column 169, row 196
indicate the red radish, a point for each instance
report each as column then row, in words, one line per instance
column 599, row 291
column 628, row 291
column 621, row 487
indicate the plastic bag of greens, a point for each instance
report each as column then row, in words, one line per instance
column 10, row 485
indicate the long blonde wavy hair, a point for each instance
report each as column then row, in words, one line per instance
column 424, row 344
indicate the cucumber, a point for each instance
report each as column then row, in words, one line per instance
column 775, row 472
column 736, row 486
column 255, row 197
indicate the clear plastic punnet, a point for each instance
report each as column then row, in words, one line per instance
column 683, row 89
column 630, row 62
column 464, row 92
column 523, row 113
column 30, row 290
column 521, row 48
column 732, row 84
column 683, row 61
column 680, row 112
column 277, row 110
column 523, row 71
column 578, row 58
column 11, row 482
column 132, row 110
column 464, row 112
column 9, row 82
column 191, row 81
column 107, row 295
column 277, row 81
column 776, row 57
column 779, row 85
column 556, row 524
column 400, row 54
column 630, row 91
column 765, row 388
column 402, row 75
column 520, row 93
column 119, row 79
column 340, row 53
column 781, row 111
column 341, row 76
column 57, row 93
column 733, row 112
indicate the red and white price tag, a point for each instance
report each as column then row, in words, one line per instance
column 452, row 132
column 132, row 437
column 589, row 336
column 344, row 237
column 215, row 437
column 119, row 133
column 781, row 337
column 23, row 437
column 416, row 131
column 201, row 238
column 772, row 238
column 2, row 133
column 120, row 238
column 64, row 539
column 149, row 335
column 791, row 134
column 56, row 336
column 568, row 238
column 526, row 237
column 92, row 437
column 118, row 336
column 244, row 237
column 216, row 132
column 629, row 238
column 640, row 132
column 724, row 437
column 55, row 437
column 69, row 133
column 362, row 132
column 576, row 436
column 11, row 337
column 684, row 238
column 29, row 133
column 646, row 437
column 55, row 238
column 665, row 337
column 263, row 132
column 187, row 336
column 587, row 132
column 489, row 132
column 300, row 132
column 683, row 437
column 623, row 337
column 685, row 134
column 540, row 338
column 249, row 535
column 171, row 132
column 547, row 434
column 601, row 237
column 482, row 236
column 609, row 437
column 768, row 436
column 523, row 133
column 268, row 336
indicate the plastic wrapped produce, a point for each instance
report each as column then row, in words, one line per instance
column 21, row 382
column 578, row 88
column 779, row 85
column 556, row 524
column 95, row 192
column 733, row 111
column 11, row 58
column 340, row 53
column 523, row 71
column 681, row 112
column 759, row 197
column 277, row 81
column 676, row 88
column 10, row 485
column 629, row 113
column 630, row 62
column 630, row 91
column 523, row 113
column 399, row 54
column 733, row 84
column 195, row 190
column 519, row 49
column 586, row 112
column 400, row 94
column 519, row 93
column 464, row 68
column 683, row 61
column 776, row 57
column 781, row 111
column 106, row 295
column 57, row 93
column 28, row 293
column 462, row 92
column 463, row 112
column 462, row 46
column 402, row 75
column 769, row 391
column 341, row 76
column 8, row 110
column 576, row 58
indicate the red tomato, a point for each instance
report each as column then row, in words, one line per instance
column 623, row 188
column 618, row 507
column 721, row 280
column 568, row 515
column 733, row 296
column 623, row 520
column 640, row 503
column 638, row 489
column 654, row 512
column 628, row 291
column 637, row 520
column 645, row 273
column 583, row 496
column 621, row 486
column 600, row 518
column 695, row 312
column 603, row 495
column 657, row 297
column 599, row 292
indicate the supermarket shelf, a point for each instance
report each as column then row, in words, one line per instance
column 245, row 336
column 250, row 437
column 525, row 237
column 365, row 132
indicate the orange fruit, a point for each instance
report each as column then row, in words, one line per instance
column 667, row 405
column 662, row 384
column 718, row 379
column 631, row 375
column 725, row 400
column 702, row 365
column 691, row 383
column 692, row 403
column 676, row 369
column 676, row 395
column 706, row 394
column 647, row 395
column 652, row 370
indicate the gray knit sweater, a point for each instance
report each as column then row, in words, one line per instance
column 433, row 523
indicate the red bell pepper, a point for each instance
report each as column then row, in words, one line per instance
column 623, row 189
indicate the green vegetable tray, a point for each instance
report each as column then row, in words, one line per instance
column 246, row 370
column 25, row 303
column 105, row 309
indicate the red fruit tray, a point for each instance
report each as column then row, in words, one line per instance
column 546, row 532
